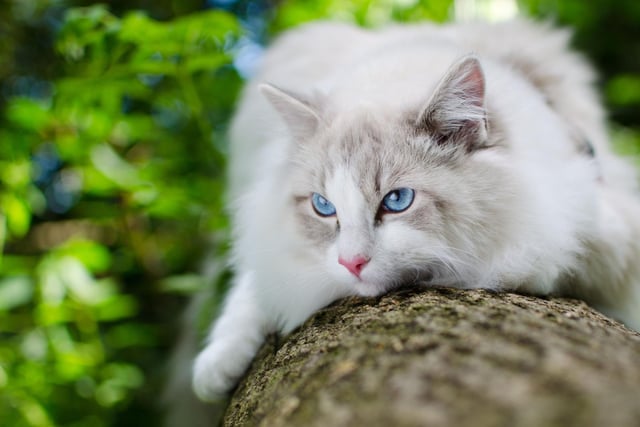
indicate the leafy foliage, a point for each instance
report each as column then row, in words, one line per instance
column 610, row 35
column 112, row 158
column 108, row 186
column 366, row 13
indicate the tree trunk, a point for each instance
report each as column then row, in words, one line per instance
column 446, row 357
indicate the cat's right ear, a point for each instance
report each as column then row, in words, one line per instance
column 299, row 114
column 456, row 112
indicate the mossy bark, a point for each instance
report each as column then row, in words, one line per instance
column 445, row 357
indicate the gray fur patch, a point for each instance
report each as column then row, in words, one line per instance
column 320, row 232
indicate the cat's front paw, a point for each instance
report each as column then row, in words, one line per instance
column 216, row 371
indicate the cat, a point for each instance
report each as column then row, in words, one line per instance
column 463, row 155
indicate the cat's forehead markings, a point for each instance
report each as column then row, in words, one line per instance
column 354, row 132
column 360, row 149
column 361, row 135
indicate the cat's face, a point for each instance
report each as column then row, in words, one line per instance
column 386, row 198
column 382, row 205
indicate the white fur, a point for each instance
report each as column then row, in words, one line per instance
column 532, row 213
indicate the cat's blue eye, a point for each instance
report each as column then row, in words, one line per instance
column 398, row 200
column 322, row 206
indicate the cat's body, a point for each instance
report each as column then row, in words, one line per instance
column 392, row 157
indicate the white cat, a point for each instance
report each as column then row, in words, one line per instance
column 472, row 156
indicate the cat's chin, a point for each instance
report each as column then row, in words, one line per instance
column 373, row 284
column 368, row 289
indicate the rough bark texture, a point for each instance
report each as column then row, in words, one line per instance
column 445, row 357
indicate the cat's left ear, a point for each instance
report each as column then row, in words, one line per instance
column 300, row 115
column 456, row 111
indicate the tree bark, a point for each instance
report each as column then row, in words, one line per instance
column 446, row 357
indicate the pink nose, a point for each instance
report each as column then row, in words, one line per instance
column 355, row 264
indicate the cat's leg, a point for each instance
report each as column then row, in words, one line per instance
column 232, row 342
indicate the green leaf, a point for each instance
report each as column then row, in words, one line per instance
column 28, row 114
column 120, row 378
column 18, row 214
column 34, row 345
column 131, row 335
column 186, row 283
column 33, row 412
column 62, row 274
column 138, row 28
column 81, row 284
column 116, row 307
column 624, row 90
column 52, row 287
column 4, row 378
column 16, row 174
column 83, row 28
column 15, row 291
column 94, row 256
column 50, row 313
column 112, row 166
column 207, row 62
column 3, row 238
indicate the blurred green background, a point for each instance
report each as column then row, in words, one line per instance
column 112, row 159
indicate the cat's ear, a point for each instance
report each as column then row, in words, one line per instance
column 299, row 114
column 456, row 111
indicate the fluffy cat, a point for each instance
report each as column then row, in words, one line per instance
column 472, row 155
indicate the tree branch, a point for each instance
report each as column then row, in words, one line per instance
column 446, row 357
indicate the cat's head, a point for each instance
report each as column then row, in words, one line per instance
column 386, row 198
